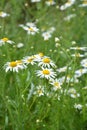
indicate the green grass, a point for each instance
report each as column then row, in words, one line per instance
column 21, row 106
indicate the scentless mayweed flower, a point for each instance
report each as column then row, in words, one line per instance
column 84, row 63
column 78, row 55
column 14, row 66
column 3, row 14
column 80, row 72
column 84, row 4
column 35, row 1
column 79, row 48
column 29, row 60
column 69, row 17
column 78, row 106
column 46, row 62
column 56, row 84
column 73, row 93
column 46, row 73
column 68, row 4
column 20, row 45
column 46, row 36
column 50, row 2
column 39, row 91
column 5, row 40
column 30, row 28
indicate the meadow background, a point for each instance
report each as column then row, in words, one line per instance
column 27, row 101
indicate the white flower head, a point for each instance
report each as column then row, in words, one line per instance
column 46, row 62
column 29, row 60
column 35, row 1
column 3, row 14
column 50, row 2
column 67, row 4
column 46, row 73
column 46, row 35
column 56, row 84
column 5, row 40
column 14, row 66
column 39, row 91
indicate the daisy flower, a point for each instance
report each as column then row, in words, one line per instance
column 5, row 40
column 46, row 36
column 84, row 4
column 30, row 28
column 56, row 84
column 14, row 66
column 80, row 72
column 29, row 60
column 69, row 17
column 38, row 57
column 35, row 1
column 77, row 55
column 46, row 62
column 39, row 91
column 78, row 106
column 50, row 2
column 46, row 73
column 79, row 48
column 3, row 14
column 72, row 92
column 67, row 4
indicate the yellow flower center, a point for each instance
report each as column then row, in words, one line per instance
column 84, row 2
column 77, row 55
column 5, row 39
column 30, row 59
column 46, row 60
column 57, row 84
column 13, row 64
column 50, row 1
column 46, row 72
column 69, row 2
column 31, row 29
column 41, row 54
column 40, row 91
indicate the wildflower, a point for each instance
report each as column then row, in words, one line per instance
column 3, row 14
column 46, row 73
column 56, row 84
column 29, row 60
column 5, row 40
column 46, row 62
column 57, row 39
column 78, row 55
column 20, row 45
column 50, row 2
column 63, row 69
column 84, row 4
column 38, row 57
column 72, row 92
column 78, row 106
column 30, row 28
column 79, row 48
column 46, row 35
column 39, row 91
column 80, row 72
column 14, row 66
column 69, row 17
column 67, row 4
column 84, row 63
column 35, row 1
